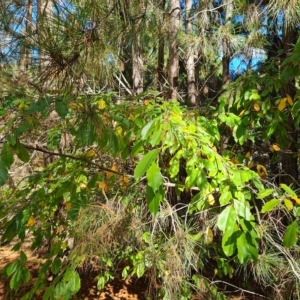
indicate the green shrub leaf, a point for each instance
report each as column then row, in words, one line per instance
column 291, row 235
column 145, row 163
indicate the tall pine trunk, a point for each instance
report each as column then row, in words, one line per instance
column 173, row 67
column 190, row 63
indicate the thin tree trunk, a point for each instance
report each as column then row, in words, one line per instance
column 190, row 63
column 137, row 66
column 290, row 159
column 173, row 68
column 226, row 43
column 25, row 60
column 161, row 52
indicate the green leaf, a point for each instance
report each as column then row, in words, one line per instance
column 291, row 235
column 264, row 193
column 61, row 108
column 74, row 283
column 140, row 269
column 242, row 209
column 22, row 153
column 7, row 155
column 153, row 199
column 12, row 267
column 23, row 257
column 56, row 265
column 247, row 248
column 270, row 205
column 145, row 163
column 101, row 283
column 239, row 133
column 229, row 239
column 146, row 131
column 288, row 189
column 137, row 148
column 241, row 176
column 154, row 177
column 226, row 218
column 16, row 279
column 3, row 173
column 49, row 292
column 225, row 198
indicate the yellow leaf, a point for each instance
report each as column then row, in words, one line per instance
column 251, row 165
column 90, row 153
column 296, row 199
column 209, row 236
column 211, row 199
column 215, row 148
column 101, row 104
column 235, row 161
column 147, row 102
column 289, row 100
column 131, row 116
column 119, row 131
column 103, row 186
column 110, row 174
column 288, row 204
column 68, row 206
column 242, row 112
column 282, row 104
column 125, row 179
column 31, row 221
column 256, row 106
column 83, row 186
column 275, row 147
column 262, row 171
column 248, row 154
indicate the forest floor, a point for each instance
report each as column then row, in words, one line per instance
column 118, row 289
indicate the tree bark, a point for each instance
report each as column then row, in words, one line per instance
column 173, row 67
column 161, row 51
column 226, row 43
column 190, row 63
column 25, row 60
column 137, row 66
column 289, row 158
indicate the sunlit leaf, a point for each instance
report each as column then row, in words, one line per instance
column 270, row 205
column 154, row 177
column 209, row 236
column 31, row 221
column 288, row 204
column 101, row 104
column 211, row 199
column 145, row 163
column 274, row 147
column 282, row 104
column 289, row 100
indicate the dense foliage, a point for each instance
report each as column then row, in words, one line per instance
column 131, row 146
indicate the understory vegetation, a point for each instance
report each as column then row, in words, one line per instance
column 113, row 169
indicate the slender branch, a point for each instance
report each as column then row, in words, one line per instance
column 79, row 158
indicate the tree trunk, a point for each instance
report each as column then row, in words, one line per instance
column 137, row 65
column 190, row 63
column 25, row 60
column 161, row 52
column 290, row 159
column 173, row 68
column 226, row 43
